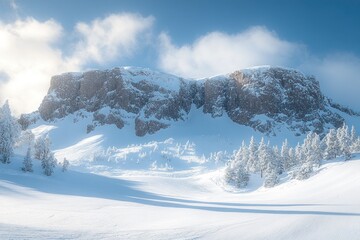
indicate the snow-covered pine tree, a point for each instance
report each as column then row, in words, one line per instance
column 263, row 156
column 299, row 154
column 355, row 147
column 44, row 154
column 353, row 135
column 42, row 147
column 27, row 163
column 267, row 159
column 48, row 164
column 304, row 171
column 271, row 177
column 252, row 164
column 292, row 158
column 243, row 154
column 284, row 156
column 331, row 145
column 236, row 174
column 355, row 141
column 310, row 156
column 277, row 159
column 237, row 155
column 306, row 147
column 9, row 132
column 65, row 165
column 312, row 149
column 316, row 150
column 344, row 141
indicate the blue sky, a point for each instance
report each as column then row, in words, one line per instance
column 195, row 39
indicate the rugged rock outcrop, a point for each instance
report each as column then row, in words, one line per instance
column 264, row 98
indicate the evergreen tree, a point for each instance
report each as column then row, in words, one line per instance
column 311, row 155
column 306, row 148
column 27, row 163
column 236, row 174
column 263, row 156
column 331, row 145
column 292, row 158
column 355, row 147
column 316, row 150
column 9, row 132
column 267, row 159
column 43, row 153
column 305, row 171
column 243, row 155
column 65, row 165
column 48, row 164
column 277, row 159
column 252, row 164
column 270, row 174
column 299, row 154
column 353, row 135
column 344, row 141
column 285, row 156
column 42, row 147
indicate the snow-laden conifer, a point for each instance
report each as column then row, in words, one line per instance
column 236, row 174
column 44, row 154
column 331, row 145
column 252, row 163
column 65, row 165
column 344, row 141
column 316, row 150
column 27, row 162
column 285, row 156
column 48, row 164
column 9, row 132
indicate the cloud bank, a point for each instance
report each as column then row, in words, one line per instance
column 217, row 53
column 115, row 36
column 339, row 76
column 30, row 52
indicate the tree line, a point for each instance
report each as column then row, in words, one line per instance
column 39, row 149
column 300, row 161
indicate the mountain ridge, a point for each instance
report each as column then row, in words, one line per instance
column 262, row 98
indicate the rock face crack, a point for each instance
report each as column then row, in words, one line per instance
column 262, row 98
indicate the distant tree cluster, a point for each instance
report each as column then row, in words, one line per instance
column 9, row 133
column 10, row 136
column 270, row 162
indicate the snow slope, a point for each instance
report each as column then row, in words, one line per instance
column 182, row 146
column 202, row 134
column 177, row 205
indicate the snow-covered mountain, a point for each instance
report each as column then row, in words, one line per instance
column 138, row 118
column 266, row 99
column 148, row 158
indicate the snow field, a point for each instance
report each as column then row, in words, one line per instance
column 80, row 205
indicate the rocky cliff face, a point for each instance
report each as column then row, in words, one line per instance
column 264, row 98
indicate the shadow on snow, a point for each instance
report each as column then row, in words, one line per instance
column 97, row 186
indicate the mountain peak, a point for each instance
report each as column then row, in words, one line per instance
column 263, row 97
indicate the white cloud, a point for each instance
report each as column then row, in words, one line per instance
column 217, row 53
column 30, row 56
column 111, row 37
column 28, row 59
column 339, row 76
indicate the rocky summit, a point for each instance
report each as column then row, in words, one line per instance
column 263, row 98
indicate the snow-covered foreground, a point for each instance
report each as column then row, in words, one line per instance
column 177, row 205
